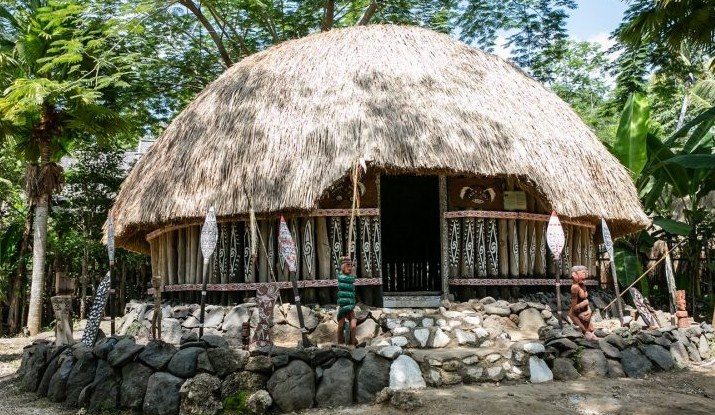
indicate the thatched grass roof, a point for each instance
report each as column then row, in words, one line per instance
column 290, row 121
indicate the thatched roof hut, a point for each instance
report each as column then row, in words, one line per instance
column 290, row 121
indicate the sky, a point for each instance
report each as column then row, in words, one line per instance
column 593, row 21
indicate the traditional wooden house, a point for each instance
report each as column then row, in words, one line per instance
column 466, row 158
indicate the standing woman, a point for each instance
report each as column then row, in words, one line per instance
column 346, row 301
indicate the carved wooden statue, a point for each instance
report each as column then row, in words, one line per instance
column 681, row 314
column 580, row 312
column 156, row 318
column 62, row 306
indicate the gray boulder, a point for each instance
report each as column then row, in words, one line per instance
column 564, row 369
column 183, row 363
column 539, row 370
column 616, row 340
column 309, row 318
column 563, row 344
column 162, row 394
column 609, row 349
column 493, row 309
column 105, row 389
column 171, row 330
column 259, row 402
column 82, row 374
column 243, row 381
column 201, row 395
column 135, row 377
column 634, row 363
column 47, row 376
column 593, row 363
column 57, row 390
column 336, row 385
column 660, row 356
column 35, row 367
column 704, row 347
column 157, row 354
column 373, row 375
column 293, row 387
column 123, row 352
column 234, row 320
column 679, row 353
column 104, row 346
column 406, row 374
column 260, row 364
column 615, row 370
column 530, row 319
column 225, row 361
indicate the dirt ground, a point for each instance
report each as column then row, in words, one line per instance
column 690, row 391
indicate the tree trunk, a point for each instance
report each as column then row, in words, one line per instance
column 83, row 285
column 16, row 294
column 39, row 245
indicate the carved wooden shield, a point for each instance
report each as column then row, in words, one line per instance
column 555, row 237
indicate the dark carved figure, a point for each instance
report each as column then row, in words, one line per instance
column 346, row 301
column 580, row 312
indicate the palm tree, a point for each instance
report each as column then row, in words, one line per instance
column 672, row 23
column 58, row 71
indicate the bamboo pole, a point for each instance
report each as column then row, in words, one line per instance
column 644, row 274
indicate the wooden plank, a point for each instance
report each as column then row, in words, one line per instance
column 365, row 247
column 480, row 249
column 248, row 264
column 336, row 245
column 263, row 264
column 576, row 258
column 181, row 256
column 540, row 254
column 523, row 248
column 492, row 246
column 566, row 253
column 307, row 248
column 171, row 256
column 531, row 237
column 468, row 248
column 323, row 248
column 513, row 249
column 377, row 246
column 454, row 251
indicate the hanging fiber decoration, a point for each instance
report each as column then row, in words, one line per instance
column 110, row 239
column 254, row 233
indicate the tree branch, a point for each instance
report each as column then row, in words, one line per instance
column 189, row 4
column 369, row 12
column 328, row 16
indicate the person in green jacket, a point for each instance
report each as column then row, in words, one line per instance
column 346, row 301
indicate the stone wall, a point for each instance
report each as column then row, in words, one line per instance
column 476, row 341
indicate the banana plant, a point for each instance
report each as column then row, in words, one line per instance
column 678, row 170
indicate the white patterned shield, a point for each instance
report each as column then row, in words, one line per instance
column 285, row 241
column 110, row 239
column 555, row 235
column 607, row 240
column 209, row 235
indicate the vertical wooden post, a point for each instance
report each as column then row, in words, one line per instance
column 540, row 254
column 513, row 253
column 263, row 263
column 503, row 257
column 454, row 250
column 324, row 257
column 171, row 256
column 468, row 257
column 481, row 253
column 531, row 238
column 307, row 251
column 181, row 256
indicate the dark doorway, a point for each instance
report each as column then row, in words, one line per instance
column 409, row 208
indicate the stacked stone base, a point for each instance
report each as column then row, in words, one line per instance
column 478, row 341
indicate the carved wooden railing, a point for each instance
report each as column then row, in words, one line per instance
column 487, row 248
column 320, row 237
